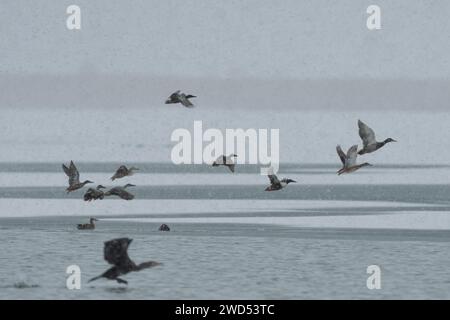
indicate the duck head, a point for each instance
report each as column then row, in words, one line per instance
column 389, row 140
column 87, row 181
column 129, row 185
column 290, row 181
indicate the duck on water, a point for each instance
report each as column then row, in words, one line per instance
column 87, row 226
column 164, row 227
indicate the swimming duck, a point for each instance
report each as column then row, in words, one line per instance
column 74, row 177
column 349, row 160
column 164, row 227
column 225, row 161
column 367, row 135
column 123, row 171
column 179, row 97
column 94, row 194
column 87, row 226
column 276, row 184
column 121, row 192
column 115, row 252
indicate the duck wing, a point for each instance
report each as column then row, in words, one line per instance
column 185, row 101
column 116, row 252
column 341, row 154
column 121, row 172
column 72, row 173
column 352, row 153
column 124, row 194
column 274, row 179
column 366, row 133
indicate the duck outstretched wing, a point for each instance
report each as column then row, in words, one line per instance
column 121, row 172
column 352, row 153
column 72, row 173
column 366, row 133
column 185, row 101
column 116, row 251
column 341, row 154
column 274, row 179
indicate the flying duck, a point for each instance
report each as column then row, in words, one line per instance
column 87, row 226
column 121, row 192
column 367, row 135
column 225, row 161
column 74, row 177
column 123, row 171
column 94, row 194
column 179, row 97
column 115, row 252
column 349, row 160
column 276, row 184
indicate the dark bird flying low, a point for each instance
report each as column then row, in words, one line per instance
column 116, row 253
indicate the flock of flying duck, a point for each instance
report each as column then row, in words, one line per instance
column 349, row 165
column 116, row 250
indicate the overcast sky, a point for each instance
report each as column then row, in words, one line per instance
column 226, row 39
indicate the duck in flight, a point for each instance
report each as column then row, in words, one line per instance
column 225, row 161
column 94, row 194
column 370, row 143
column 276, row 184
column 87, row 226
column 123, row 171
column 121, row 192
column 116, row 253
column 180, row 97
column 349, row 160
column 74, row 177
